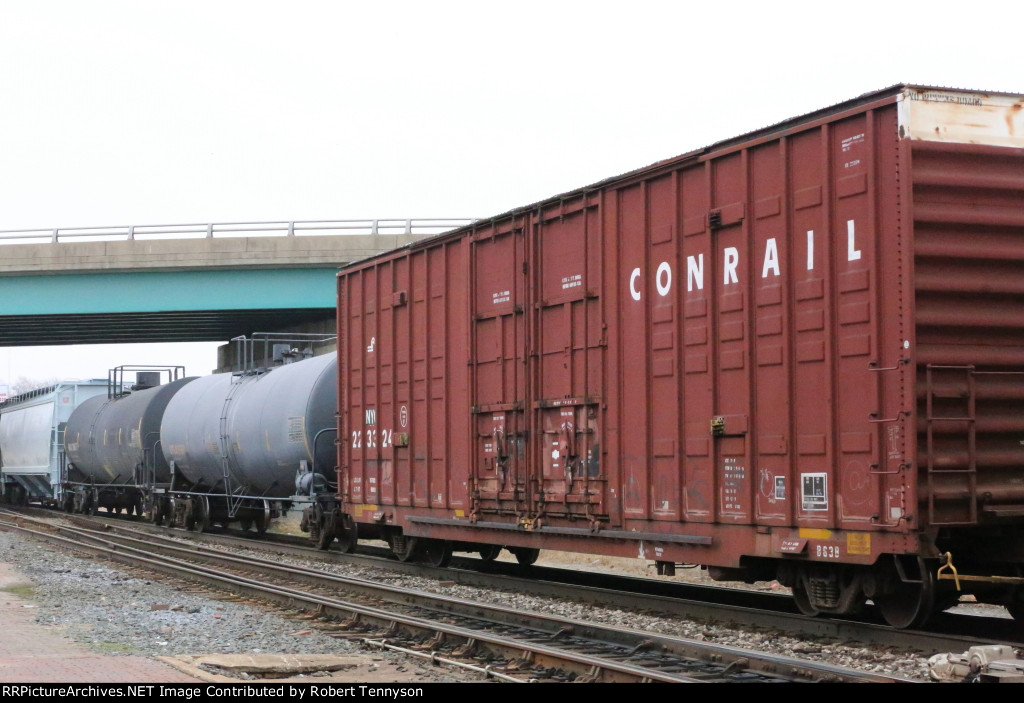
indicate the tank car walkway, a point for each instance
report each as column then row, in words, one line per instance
column 31, row 653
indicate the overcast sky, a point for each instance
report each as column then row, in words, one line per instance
column 117, row 113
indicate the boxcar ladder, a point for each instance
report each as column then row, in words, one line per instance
column 951, row 388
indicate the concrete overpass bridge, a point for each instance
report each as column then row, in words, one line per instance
column 183, row 283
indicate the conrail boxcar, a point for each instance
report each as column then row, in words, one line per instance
column 792, row 355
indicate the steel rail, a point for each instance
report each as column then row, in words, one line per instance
column 293, row 598
column 718, row 604
column 743, row 662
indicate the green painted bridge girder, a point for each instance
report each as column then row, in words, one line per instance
column 156, row 291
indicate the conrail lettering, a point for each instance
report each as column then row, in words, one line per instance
column 730, row 265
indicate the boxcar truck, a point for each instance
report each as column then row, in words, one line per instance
column 32, row 438
column 796, row 355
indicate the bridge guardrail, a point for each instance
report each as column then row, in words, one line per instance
column 296, row 228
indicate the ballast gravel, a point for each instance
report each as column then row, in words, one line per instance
column 117, row 611
column 114, row 611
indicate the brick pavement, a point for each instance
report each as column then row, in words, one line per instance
column 33, row 653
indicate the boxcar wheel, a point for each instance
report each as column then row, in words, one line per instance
column 803, row 599
column 490, row 552
column 348, row 534
column 437, row 552
column 908, row 604
column 526, row 556
column 404, row 548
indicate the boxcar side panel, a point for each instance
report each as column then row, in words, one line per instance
column 498, row 393
column 631, row 334
column 403, row 389
column 764, row 273
column 565, row 370
column 969, row 329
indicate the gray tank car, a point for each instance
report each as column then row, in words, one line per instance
column 247, row 443
column 111, row 444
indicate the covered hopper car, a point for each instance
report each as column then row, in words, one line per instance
column 32, row 428
column 796, row 355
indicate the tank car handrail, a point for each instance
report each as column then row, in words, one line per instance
column 326, row 475
column 209, row 230
column 245, row 347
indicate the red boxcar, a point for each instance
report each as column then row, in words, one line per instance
column 796, row 354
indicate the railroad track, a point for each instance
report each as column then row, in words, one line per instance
column 503, row 642
column 948, row 632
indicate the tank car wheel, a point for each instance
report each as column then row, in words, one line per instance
column 906, row 605
column 176, row 513
column 526, row 556
column 261, row 519
column 67, row 502
column 437, row 552
column 325, row 535
column 200, row 514
column 194, row 518
column 490, row 552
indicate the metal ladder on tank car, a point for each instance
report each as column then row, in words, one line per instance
column 233, row 498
